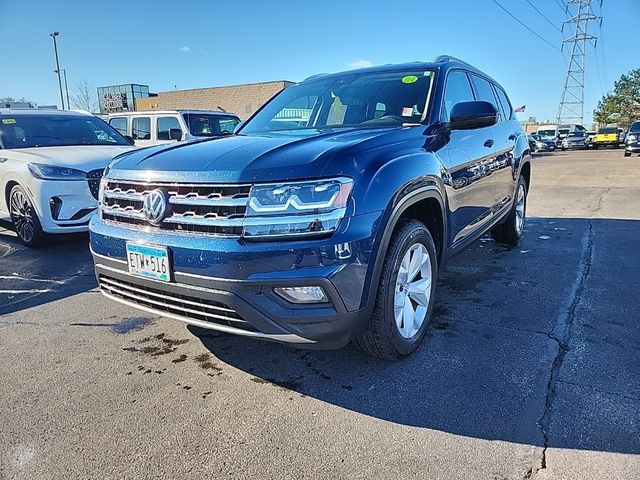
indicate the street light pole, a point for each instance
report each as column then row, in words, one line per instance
column 66, row 87
column 55, row 49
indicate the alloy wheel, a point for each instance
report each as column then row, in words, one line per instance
column 412, row 290
column 22, row 216
column 520, row 209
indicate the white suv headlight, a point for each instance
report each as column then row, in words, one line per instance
column 309, row 208
column 54, row 172
column 631, row 138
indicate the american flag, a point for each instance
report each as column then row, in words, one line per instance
column 520, row 109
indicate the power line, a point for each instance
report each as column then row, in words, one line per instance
column 526, row 26
column 544, row 16
column 562, row 5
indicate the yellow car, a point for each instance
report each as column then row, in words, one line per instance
column 607, row 136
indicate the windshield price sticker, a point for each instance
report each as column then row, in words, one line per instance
column 8, row 121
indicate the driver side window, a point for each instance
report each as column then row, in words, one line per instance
column 457, row 89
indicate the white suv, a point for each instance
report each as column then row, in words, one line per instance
column 155, row 127
column 51, row 163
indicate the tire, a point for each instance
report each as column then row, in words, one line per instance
column 627, row 154
column 510, row 231
column 387, row 335
column 25, row 218
column 595, row 147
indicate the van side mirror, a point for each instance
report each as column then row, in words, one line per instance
column 175, row 134
column 472, row 115
column 238, row 127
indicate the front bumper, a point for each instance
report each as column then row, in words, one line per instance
column 226, row 284
column 632, row 148
column 62, row 206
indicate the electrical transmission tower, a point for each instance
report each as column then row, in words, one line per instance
column 571, row 109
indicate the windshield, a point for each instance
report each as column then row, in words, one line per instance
column 349, row 100
column 576, row 135
column 635, row 127
column 28, row 131
column 547, row 133
column 608, row 130
column 210, row 125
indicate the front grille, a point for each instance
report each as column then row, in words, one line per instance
column 185, row 306
column 199, row 208
column 93, row 179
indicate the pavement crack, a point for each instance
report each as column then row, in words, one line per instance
column 600, row 200
column 561, row 333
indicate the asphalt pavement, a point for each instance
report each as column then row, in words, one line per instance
column 530, row 369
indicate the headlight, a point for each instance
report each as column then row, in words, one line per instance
column 540, row 145
column 310, row 208
column 631, row 138
column 52, row 172
column 103, row 185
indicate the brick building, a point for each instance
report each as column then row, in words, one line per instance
column 242, row 100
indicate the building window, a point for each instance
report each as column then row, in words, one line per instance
column 141, row 128
column 165, row 125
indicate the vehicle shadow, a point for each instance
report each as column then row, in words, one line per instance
column 486, row 366
column 31, row 277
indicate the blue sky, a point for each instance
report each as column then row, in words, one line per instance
column 206, row 43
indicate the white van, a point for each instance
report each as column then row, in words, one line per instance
column 154, row 127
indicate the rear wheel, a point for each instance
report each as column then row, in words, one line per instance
column 405, row 296
column 627, row 154
column 25, row 219
column 510, row 231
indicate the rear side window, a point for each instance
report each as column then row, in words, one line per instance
column 141, row 128
column 504, row 103
column 458, row 89
column 484, row 91
column 165, row 125
column 120, row 124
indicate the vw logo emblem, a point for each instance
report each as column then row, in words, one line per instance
column 154, row 207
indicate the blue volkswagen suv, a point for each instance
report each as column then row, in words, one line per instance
column 326, row 218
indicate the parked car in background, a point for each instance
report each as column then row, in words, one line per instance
column 565, row 130
column 575, row 140
column 326, row 231
column 51, row 163
column 532, row 143
column 148, row 128
column 544, row 144
column 548, row 132
column 607, row 136
column 591, row 135
column 632, row 140
column 621, row 136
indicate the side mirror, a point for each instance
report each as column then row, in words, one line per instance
column 130, row 139
column 175, row 134
column 471, row 115
column 238, row 126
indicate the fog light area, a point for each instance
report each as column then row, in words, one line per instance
column 312, row 294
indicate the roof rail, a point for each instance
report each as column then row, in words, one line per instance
column 449, row 58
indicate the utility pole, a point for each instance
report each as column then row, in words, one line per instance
column 55, row 49
column 571, row 109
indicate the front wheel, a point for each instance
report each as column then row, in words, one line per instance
column 405, row 295
column 510, row 231
column 25, row 219
column 627, row 154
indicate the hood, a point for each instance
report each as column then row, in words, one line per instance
column 83, row 158
column 247, row 158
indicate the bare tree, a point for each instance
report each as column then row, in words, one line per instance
column 84, row 96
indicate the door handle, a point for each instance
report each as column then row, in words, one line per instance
column 488, row 143
column 513, row 137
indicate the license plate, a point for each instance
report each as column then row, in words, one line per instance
column 149, row 262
